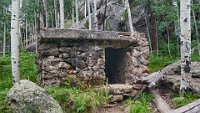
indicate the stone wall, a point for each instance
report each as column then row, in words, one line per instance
column 80, row 54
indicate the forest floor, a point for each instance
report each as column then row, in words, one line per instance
column 78, row 100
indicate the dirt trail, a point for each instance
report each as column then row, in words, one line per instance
column 117, row 108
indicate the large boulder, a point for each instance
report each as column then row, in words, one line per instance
column 27, row 97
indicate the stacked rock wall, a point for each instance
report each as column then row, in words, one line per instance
column 84, row 58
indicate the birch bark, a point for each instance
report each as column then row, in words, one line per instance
column 129, row 16
column 62, row 20
column 185, row 25
column 95, row 15
column 77, row 18
column 72, row 12
column 89, row 15
column 15, row 40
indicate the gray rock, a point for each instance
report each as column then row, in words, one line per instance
column 46, row 46
column 81, row 64
column 50, row 52
column 116, row 98
column 65, row 55
column 195, row 70
column 27, row 97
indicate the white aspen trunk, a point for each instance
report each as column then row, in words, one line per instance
column 62, row 17
column 185, row 25
column 55, row 12
column 85, row 14
column 129, row 16
column 77, row 18
column 196, row 30
column 4, row 40
column 21, row 1
column 95, row 15
column 26, row 39
column 20, row 34
column 89, row 15
column 168, row 42
column 15, row 41
column 36, row 33
column 148, row 33
column 33, row 32
column 73, row 12
column 35, row 27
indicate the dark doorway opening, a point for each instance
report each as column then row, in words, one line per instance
column 115, row 65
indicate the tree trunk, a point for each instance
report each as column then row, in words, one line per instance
column 21, row 1
column 77, row 20
column 45, row 13
column 15, row 41
column 185, row 25
column 4, row 40
column 85, row 9
column 55, row 13
column 95, row 15
column 196, row 30
column 72, row 12
column 153, row 28
column 148, row 32
column 62, row 17
column 168, row 42
column 104, row 15
column 26, row 39
column 89, row 15
column 177, row 25
column 129, row 16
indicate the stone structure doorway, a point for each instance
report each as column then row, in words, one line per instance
column 91, row 56
column 115, row 65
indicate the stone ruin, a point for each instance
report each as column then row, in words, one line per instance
column 91, row 57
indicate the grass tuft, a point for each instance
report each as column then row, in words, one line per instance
column 182, row 101
column 142, row 105
column 74, row 100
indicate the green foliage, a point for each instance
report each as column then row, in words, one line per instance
column 5, row 81
column 124, row 16
column 195, row 56
column 161, row 61
column 28, row 71
column 181, row 101
column 163, row 47
column 74, row 100
column 108, row 25
column 157, row 63
column 28, row 67
column 142, row 105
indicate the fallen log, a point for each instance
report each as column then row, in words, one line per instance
column 153, row 78
column 162, row 106
column 190, row 108
column 139, row 93
column 171, row 69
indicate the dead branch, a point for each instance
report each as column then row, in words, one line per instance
column 162, row 106
column 190, row 108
